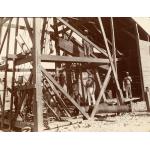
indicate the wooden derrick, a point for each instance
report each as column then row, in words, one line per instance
column 68, row 57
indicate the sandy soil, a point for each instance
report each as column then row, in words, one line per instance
column 135, row 121
column 127, row 122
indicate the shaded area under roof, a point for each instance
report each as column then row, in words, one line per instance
column 121, row 25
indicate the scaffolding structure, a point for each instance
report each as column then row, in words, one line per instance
column 64, row 52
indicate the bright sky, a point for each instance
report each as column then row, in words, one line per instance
column 143, row 22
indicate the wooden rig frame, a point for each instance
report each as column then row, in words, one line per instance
column 60, row 27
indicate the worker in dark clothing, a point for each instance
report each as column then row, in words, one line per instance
column 88, row 48
column 127, row 85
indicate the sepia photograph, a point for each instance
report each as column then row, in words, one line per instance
column 74, row 74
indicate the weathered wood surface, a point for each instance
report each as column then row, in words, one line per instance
column 145, row 61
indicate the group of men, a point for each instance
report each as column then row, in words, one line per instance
column 89, row 86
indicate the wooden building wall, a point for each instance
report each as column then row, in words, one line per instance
column 145, row 61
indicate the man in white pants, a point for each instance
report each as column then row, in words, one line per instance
column 127, row 85
column 90, row 88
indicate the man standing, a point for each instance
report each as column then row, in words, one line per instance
column 88, row 48
column 90, row 89
column 127, row 85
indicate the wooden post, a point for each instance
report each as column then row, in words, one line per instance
column 43, row 33
column 56, row 40
column 148, row 42
column 139, row 60
column 1, row 105
column 119, row 92
column 37, row 102
column 113, row 44
column 13, row 76
column 147, row 98
column 0, row 31
column 5, row 76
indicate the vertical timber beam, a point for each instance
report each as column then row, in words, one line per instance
column 139, row 59
column 45, row 21
column 119, row 92
column 13, row 76
column 56, row 40
column 0, row 31
column 5, row 76
column 37, row 102
column 113, row 44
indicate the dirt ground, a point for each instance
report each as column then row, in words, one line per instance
column 136, row 121
column 139, row 121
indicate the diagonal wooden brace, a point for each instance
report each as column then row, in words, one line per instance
column 29, row 29
column 59, row 97
column 64, row 92
column 82, row 36
column 106, row 81
column 119, row 92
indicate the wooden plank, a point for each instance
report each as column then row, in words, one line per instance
column 66, row 46
column 82, row 36
column 50, row 58
column 13, row 77
column 29, row 29
column 113, row 44
column 147, row 98
column 119, row 92
column 24, row 70
column 36, row 52
column 105, row 83
column 27, row 59
column 56, row 35
column 5, row 77
column 43, row 32
column 64, row 92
